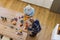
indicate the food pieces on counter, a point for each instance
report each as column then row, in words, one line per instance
column 14, row 22
column 4, row 19
column 20, row 32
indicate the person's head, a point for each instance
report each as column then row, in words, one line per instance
column 31, row 20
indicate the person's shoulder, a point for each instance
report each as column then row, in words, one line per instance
column 36, row 21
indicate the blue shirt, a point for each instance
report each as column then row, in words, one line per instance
column 35, row 27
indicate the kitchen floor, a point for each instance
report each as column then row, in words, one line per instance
column 47, row 18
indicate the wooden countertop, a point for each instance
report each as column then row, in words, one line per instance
column 4, row 27
column 7, row 31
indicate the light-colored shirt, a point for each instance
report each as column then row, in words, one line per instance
column 29, row 10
